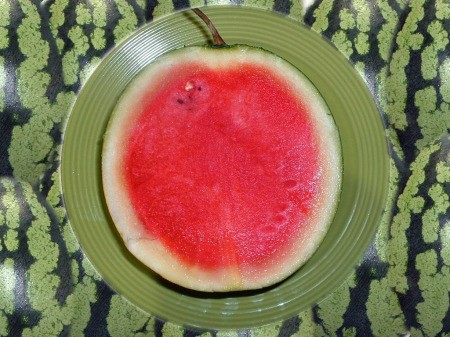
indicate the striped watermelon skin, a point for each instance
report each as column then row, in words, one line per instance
column 400, row 287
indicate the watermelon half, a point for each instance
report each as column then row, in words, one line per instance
column 221, row 168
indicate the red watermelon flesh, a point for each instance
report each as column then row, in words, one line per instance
column 224, row 165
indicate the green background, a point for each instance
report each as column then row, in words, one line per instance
column 401, row 286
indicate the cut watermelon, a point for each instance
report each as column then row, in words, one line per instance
column 221, row 168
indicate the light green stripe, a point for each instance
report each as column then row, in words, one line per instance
column 384, row 310
column 321, row 15
column 127, row 23
column 7, row 285
column 432, row 310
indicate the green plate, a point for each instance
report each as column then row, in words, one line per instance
column 365, row 176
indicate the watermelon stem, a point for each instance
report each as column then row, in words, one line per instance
column 218, row 41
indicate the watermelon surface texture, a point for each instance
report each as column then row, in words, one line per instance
column 221, row 168
column 50, row 288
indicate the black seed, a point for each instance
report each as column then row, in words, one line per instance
column 199, row 88
column 180, row 101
